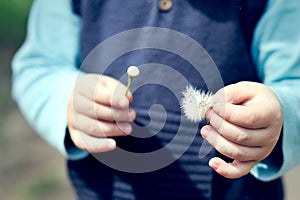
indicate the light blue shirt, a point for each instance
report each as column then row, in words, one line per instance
column 44, row 72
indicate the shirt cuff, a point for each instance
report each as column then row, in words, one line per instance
column 270, row 170
column 73, row 153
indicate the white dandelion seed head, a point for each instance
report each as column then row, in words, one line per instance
column 133, row 71
column 195, row 103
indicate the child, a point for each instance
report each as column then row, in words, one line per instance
column 141, row 147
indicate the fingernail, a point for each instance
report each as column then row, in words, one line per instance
column 131, row 115
column 111, row 144
column 204, row 132
column 126, row 128
column 123, row 102
column 213, row 164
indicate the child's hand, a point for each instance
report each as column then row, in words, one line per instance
column 98, row 109
column 246, row 127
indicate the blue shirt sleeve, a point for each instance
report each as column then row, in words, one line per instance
column 44, row 71
column 276, row 51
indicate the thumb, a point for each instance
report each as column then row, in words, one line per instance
column 237, row 93
column 236, row 104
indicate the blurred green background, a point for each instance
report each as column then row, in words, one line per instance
column 13, row 16
column 29, row 168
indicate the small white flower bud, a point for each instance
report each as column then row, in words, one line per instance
column 133, row 71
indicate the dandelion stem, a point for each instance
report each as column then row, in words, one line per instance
column 128, row 85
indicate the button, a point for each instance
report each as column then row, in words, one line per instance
column 165, row 5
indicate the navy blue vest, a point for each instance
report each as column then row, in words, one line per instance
column 224, row 28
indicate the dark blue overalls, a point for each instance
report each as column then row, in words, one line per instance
column 169, row 59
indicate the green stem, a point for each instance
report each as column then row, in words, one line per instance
column 128, row 85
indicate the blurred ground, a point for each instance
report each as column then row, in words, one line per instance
column 292, row 179
column 29, row 168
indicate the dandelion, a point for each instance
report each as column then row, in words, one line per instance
column 132, row 72
column 195, row 103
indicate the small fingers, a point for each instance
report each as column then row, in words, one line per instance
column 92, row 144
column 96, row 128
column 241, row 115
column 110, row 114
column 236, row 169
column 111, row 92
column 102, row 112
column 230, row 149
column 103, row 90
column 237, row 134
column 109, row 98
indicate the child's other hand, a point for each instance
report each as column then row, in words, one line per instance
column 245, row 126
column 98, row 109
